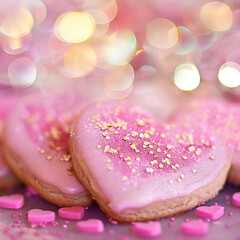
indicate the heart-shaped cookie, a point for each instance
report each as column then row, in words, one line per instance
column 36, row 146
column 38, row 215
column 139, row 169
column 14, row 201
column 223, row 117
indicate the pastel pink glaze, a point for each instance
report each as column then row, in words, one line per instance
column 131, row 186
column 221, row 116
column 90, row 225
column 75, row 212
column 212, row 212
column 149, row 229
column 38, row 215
column 194, row 227
column 236, row 199
column 15, row 201
column 33, row 121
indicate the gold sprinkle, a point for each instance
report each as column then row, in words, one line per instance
column 212, row 157
column 49, row 157
column 150, row 152
column 184, row 157
column 134, row 133
column 180, row 141
column 109, row 160
column 125, row 138
column 116, row 132
column 158, row 150
column 191, row 148
column 177, row 136
column 169, row 155
column 213, row 147
column 146, row 135
column 141, row 135
column 177, row 165
column 163, row 135
column 173, row 167
column 138, row 158
column 55, row 133
column 133, row 170
column 98, row 146
column 169, row 147
column 182, row 176
column 125, row 178
column 140, row 122
column 160, row 165
column 150, row 146
column 170, row 181
column 129, row 163
column 107, row 137
column 124, row 127
column 109, row 168
column 104, row 134
column 194, row 170
column 179, row 179
column 159, row 144
column 42, row 151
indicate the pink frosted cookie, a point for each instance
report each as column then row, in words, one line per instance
column 36, row 147
column 223, row 117
column 138, row 169
column 6, row 177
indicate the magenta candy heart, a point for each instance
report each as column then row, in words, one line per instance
column 90, row 225
column 149, row 229
column 236, row 199
column 38, row 215
column 194, row 227
column 15, row 201
column 213, row 212
column 76, row 212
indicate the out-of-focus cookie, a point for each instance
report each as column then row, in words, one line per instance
column 221, row 116
column 138, row 169
column 36, row 146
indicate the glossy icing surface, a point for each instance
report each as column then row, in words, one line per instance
column 219, row 115
column 43, row 123
column 138, row 161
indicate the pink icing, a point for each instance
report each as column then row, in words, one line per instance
column 38, row 215
column 212, row 212
column 75, row 212
column 15, row 201
column 149, row 229
column 220, row 115
column 195, row 227
column 236, row 199
column 128, row 168
column 43, row 123
column 90, row 225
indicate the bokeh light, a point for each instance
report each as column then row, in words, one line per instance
column 109, row 7
column 16, row 22
column 22, row 72
column 74, row 27
column 216, row 16
column 118, row 83
column 162, row 33
column 120, row 47
column 79, row 60
column 187, row 77
column 229, row 75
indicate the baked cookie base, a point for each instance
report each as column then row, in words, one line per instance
column 49, row 193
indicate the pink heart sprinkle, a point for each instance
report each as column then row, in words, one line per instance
column 38, row 215
column 194, row 227
column 149, row 229
column 236, row 199
column 75, row 212
column 213, row 212
column 90, row 225
column 15, row 201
